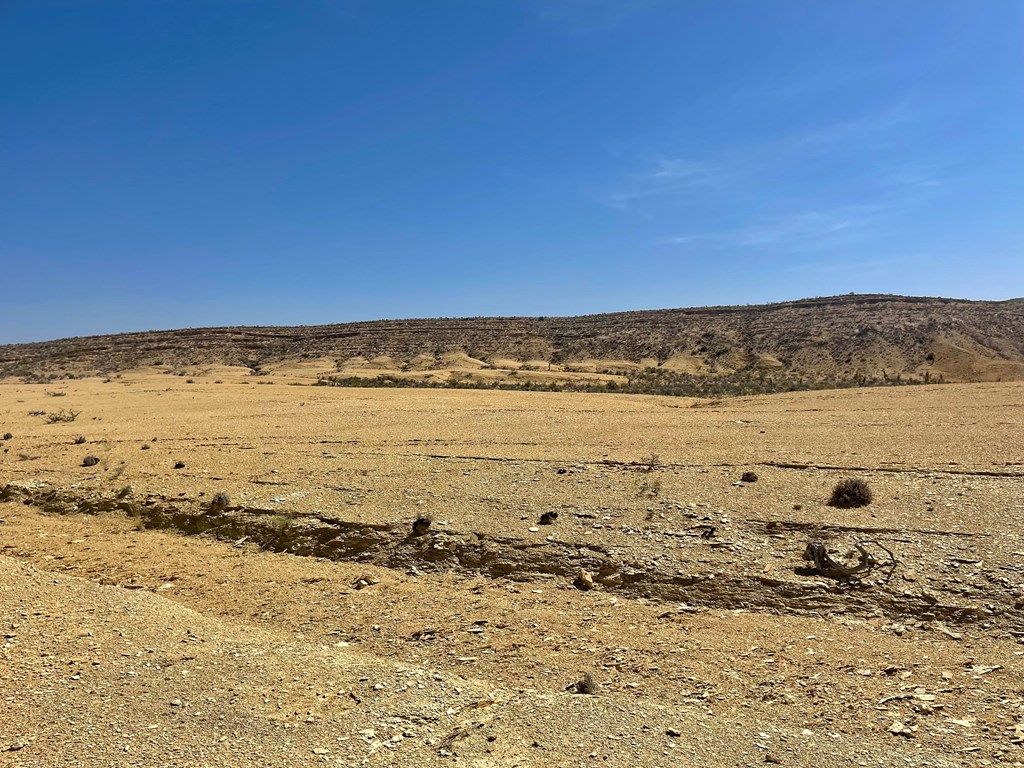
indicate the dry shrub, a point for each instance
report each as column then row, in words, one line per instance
column 852, row 492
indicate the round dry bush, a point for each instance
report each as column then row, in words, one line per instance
column 852, row 492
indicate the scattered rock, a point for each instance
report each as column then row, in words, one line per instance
column 90, row 461
column 421, row 525
column 899, row 729
column 549, row 517
column 584, row 581
column 951, row 634
column 364, row 581
column 749, row 477
column 179, row 465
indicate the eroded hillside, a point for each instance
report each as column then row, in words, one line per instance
column 864, row 339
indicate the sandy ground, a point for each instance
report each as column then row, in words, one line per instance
column 124, row 646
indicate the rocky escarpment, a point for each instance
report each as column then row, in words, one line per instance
column 873, row 336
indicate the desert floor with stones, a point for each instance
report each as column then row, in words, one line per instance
column 299, row 621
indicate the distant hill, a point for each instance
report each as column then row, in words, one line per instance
column 840, row 337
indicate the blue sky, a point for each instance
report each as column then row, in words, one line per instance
column 170, row 163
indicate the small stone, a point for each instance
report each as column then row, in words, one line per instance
column 748, row 477
column 584, row 581
column 673, row 732
column 899, row 729
column 952, row 635
column 177, row 703
column 534, row 529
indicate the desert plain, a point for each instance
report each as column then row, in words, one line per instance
column 236, row 580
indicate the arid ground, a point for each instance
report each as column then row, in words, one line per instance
column 300, row 621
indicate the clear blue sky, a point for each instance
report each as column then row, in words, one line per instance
column 170, row 163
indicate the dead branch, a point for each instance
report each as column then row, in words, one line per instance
column 867, row 563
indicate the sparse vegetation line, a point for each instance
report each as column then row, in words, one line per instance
column 652, row 381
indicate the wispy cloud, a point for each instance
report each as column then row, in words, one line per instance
column 803, row 231
column 869, row 130
column 820, row 187
column 741, row 169
column 662, row 177
column 910, row 178
column 863, row 268
column 678, row 168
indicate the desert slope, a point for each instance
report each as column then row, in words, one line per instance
column 843, row 337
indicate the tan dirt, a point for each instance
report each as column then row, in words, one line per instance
column 124, row 646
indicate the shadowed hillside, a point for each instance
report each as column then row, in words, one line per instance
column 854, row 337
